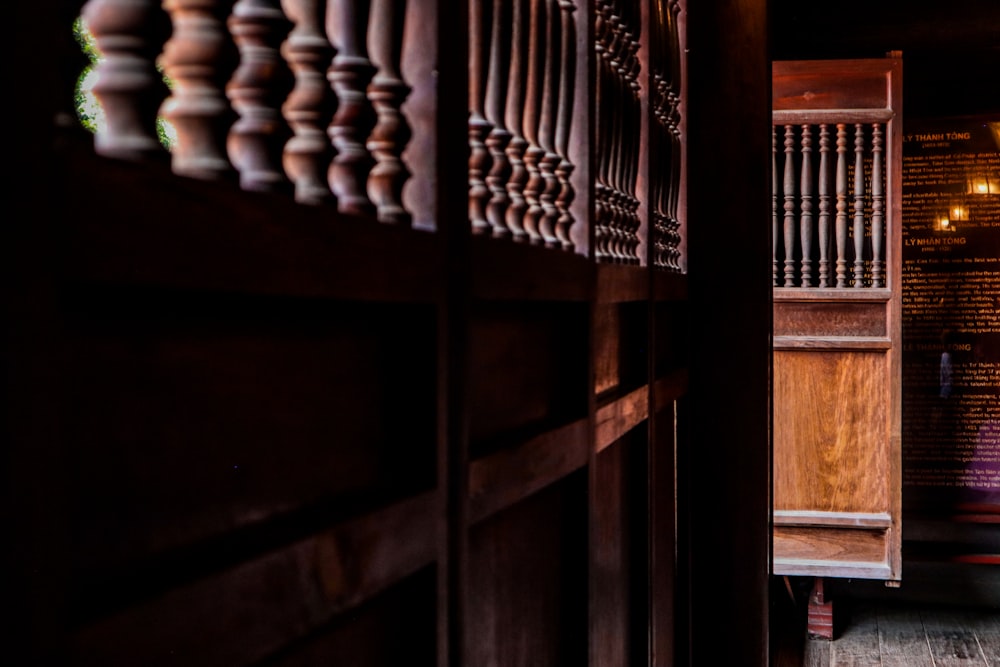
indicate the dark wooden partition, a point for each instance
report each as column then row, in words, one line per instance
column 386, row 357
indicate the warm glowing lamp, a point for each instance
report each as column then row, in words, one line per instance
column 982, row 184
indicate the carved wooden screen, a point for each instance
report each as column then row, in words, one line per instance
column 836, row 300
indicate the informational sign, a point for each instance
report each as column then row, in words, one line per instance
column 951, row 313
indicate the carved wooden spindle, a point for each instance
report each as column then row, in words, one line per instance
column 878, row 208
column 632, row 69
column 479, row 127
column 257, row 90
column 311, row 104
column 674, row 97
column 600, row 132
column 564, row 124
column 841, row 222
column 350, row 74
column 775, row 218
column 199, row 58
column 859, row 205
column 513, row 116
column 619, row 237
column 497, row 141
column 129, row 34
column 789, row 207
column 532, row 121
column 824, row 205
column 547, row 125
column 806, row 217
column 387, row 92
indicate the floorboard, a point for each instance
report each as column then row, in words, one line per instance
column 892, row 634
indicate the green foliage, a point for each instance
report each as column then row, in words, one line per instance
column 88, row 109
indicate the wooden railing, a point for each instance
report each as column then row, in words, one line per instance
column 296, row 96
column 828, row 203
column 332, row 102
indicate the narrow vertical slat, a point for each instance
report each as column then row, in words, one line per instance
column 878, row 209
column 824, row 205
column 495, row 108
column 531, row 121
column 789, row 208
column 602, row 213
column 632, row 71
column 547, row 127
column 129, row 35
column 257, row 90
column 513, row 116
column 350, row 74
column 674, row 96
column 479, row 127
column 311, row 104
column 841, row 222
column 387, row 92
column 567, row 89
column 199, row 58
column 806, row 213
column 859, row 205
column 775, row 218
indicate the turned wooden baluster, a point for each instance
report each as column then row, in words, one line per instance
column 387, row 92
column 257, row 90
column 631, row 166
column 789, row 207
column 878, row 206
column 616, row 146
column 513, row 115
column 674, row 96
column 350, row 74
column 532, row 121
column 659, row 143
column 199, row 58
column 859, row 206
column 479, row 127
column 775, row 218
column 806, row 218
column 564, row 124
column 547, row 127
column 824, row 205
column 499, row 137
column 310, row 106
column 619, row 221
column 841, row 222
column 129, row 34
column 600, row 132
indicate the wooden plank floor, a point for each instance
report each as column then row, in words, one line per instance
column 892, row 634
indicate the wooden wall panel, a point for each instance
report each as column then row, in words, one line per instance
column 620, row 561
column 528, row 366
column 829, row 452
column 527, row 590
column 406, row 614
column 191, row 416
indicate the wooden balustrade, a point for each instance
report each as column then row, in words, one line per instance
column 805, row 253
column 618, row 115
column 308, row 97
column 666, row 158
column 279, row 94
column 522, row 71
